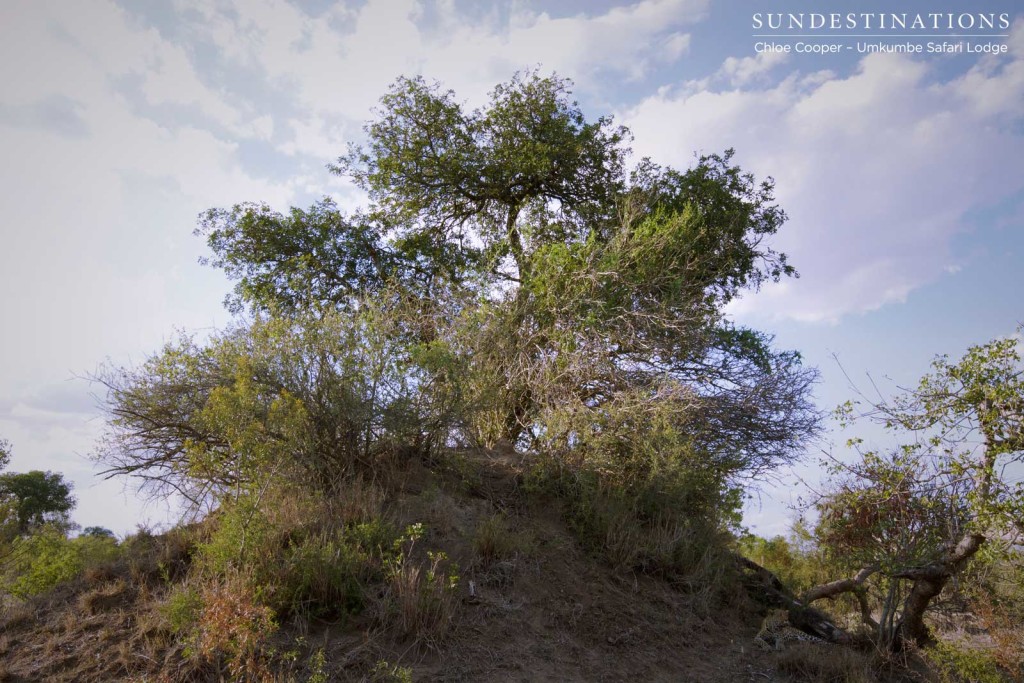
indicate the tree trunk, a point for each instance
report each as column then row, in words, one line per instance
column 928, row 583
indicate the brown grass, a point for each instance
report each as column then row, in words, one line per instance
column 567, row 616
column 17, row 614
column 495, row 540
column 816, row 663
column 103, row 598
column 421, row 601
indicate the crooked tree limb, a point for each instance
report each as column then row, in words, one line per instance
column 855, row 585
column 765, row 587
column 929, row 581
column 834, row 588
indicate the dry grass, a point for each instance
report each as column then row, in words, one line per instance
column 1007, row 634
column 16, row 614
column 817, row 663
column 495, row 540
column 421, row 599
column 564, row 617
column 103, row 598
column 235, row 625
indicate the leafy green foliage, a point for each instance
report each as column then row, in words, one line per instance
column 182, row 608
column 46, row 558
column 960, row 663
column 443, row 176
column 297, row 261
column 798, row 563
column 309, row 398
column 298, row 552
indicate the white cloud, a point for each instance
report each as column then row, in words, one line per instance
column 742, row 70
column 98, row 258
column 339, row 63
column 876, row 171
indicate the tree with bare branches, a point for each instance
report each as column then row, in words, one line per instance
column 907, row 521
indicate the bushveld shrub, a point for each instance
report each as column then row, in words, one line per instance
column 46, row 558
column 996, row 596
column 311, row 399
column 959, row 663
column 300, row 552
column 1006, row 630
column 182, row 608
column 232, row 623
column 637, row 488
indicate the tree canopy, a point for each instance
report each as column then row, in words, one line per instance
column 510, row 279
column 33, row 499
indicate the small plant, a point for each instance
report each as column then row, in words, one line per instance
column 383, row 672
column 421, row 600
column 182, row 609
column 318, row 667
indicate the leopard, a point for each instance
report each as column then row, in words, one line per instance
column 777, row 630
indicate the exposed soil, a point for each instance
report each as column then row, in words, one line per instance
column 553, row 613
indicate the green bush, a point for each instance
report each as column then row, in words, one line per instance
column 182, row 609
column 798, row 563
column 637, row 488
column 297, row 556
column 323, row 576
column 957, row 663
column 47, row 558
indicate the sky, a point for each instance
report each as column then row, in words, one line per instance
column 120, row 122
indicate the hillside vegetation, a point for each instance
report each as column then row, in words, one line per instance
column 495, row 425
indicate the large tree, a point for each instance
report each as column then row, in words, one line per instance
column 30, row 500
column 533, row 289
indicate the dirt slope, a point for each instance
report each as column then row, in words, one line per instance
column 549, row 612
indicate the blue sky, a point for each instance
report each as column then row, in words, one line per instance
column 120, row 122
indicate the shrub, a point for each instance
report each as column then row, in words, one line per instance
column 233, row 623
column 182, row 609
column 302, row 553
column 322, row 576
column 957, row 663
column 41, row 561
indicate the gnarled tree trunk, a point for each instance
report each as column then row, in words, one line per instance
column 928, row 583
